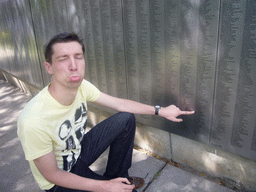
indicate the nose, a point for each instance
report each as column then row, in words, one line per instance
column 73, row 64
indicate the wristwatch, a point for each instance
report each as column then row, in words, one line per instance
column 157, row 108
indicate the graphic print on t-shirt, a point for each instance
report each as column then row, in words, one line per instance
column 72, row 135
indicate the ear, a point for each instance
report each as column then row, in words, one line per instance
column 48, row 67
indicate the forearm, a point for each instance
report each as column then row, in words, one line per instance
column 72, row 181
column 47, row 166
column 170, row 112
column 135, row 107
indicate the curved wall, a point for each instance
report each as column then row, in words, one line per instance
column 199, row 55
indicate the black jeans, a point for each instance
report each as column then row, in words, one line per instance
column 117, row 132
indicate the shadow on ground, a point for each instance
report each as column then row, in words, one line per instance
column 14, row 170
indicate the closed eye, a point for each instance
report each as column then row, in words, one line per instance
column 62, row 58
column 79, row 56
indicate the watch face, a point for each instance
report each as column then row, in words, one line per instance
column 157, row 107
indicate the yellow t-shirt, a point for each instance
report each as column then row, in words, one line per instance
column 45, row 125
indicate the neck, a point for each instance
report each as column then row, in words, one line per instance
column 64, row 96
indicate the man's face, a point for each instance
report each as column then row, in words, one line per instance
column 68, row 65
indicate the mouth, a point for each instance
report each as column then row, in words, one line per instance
column 75, row 78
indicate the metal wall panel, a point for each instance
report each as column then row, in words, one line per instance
column 234, row 116
column 21, row 47
column 100, row 24
column 6, row 40
column 49, row 18
column 171, row 58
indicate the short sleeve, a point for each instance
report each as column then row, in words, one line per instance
column 34, row 138
column 91, row 92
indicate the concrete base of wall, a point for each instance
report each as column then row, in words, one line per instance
column 231, row 168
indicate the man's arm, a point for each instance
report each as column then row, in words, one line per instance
column 171, row 112
column 47, row 166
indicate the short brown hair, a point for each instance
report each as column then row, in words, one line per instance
column 60, row 38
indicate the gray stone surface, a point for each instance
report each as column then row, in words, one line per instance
column 176, row 180
column 14, row 169
column 145, row 166
column 142, row 166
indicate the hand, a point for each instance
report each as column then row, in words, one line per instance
column 172, row 112
column 118, row 185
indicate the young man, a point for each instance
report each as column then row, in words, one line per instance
column 52, row 126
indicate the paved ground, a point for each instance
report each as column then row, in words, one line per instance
column 16, row 176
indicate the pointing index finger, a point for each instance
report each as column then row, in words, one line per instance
column 187, row 112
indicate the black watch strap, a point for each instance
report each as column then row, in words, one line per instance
column 157, row 108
